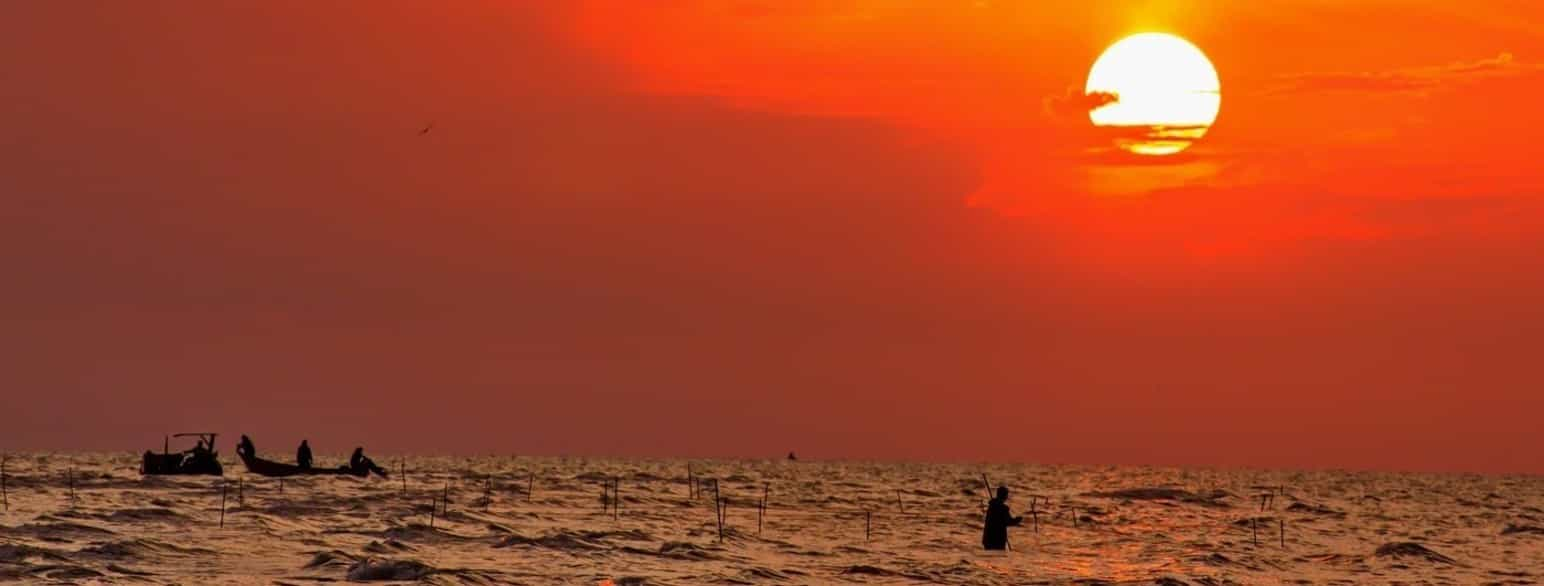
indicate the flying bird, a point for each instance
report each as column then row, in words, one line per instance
column 426, row 129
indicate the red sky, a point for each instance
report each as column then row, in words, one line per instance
column 860, row 229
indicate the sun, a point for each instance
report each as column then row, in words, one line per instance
column 1163, row 93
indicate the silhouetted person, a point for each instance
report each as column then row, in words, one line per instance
column 303, row 456
column 998, row 520
column 363, row 466
column 245, row 448
column 200, row 453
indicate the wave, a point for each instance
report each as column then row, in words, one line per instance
column 877, row 571
column 129, row 516
column 67, row 573
column 331, row 559
column 1312, row 509
column 418, row 532
column 19, row 553
column 389, row 570
column 147, row 549
column 388, row 546
column 1410, row 549
column 1211, row 499
column 574, row 540
column 59, row 531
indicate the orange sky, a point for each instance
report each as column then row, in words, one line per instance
column 855, row 229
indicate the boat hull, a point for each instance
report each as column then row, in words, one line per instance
column 274, row 469
column 180, row 464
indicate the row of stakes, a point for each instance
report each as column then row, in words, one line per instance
column 611, row 501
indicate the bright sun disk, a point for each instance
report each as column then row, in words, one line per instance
column 1166, row 93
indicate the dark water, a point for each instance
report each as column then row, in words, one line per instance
column 837, row 522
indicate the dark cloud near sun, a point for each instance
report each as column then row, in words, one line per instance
column 1073, row 104
column 1407, row 80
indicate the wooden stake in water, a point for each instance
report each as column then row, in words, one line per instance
column 281, row 485
column 433, row 505
column 901, row 506
column 404, row 476
column 718, row 510
column 4, row 498
column 762, row 511
column 868, row 524
column 72, row 488
column 1253, row 529
column 241, row 493
column 691, row 483
column 1282, row 524
column 446, row 501
column 616, row 498
column 530, row 487
column 223, row 486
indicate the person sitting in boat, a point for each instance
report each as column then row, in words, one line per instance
column 363, row 466
column 998, row 520
column 303, row 456
column 199, row 454
column 245, row 449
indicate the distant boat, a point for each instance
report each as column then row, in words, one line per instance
column 203, row 459
column 792, row 457
column 274, row 469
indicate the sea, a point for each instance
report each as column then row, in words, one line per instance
column 93, row 518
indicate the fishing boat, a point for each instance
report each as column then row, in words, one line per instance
column 272, row 469
column 202, row 459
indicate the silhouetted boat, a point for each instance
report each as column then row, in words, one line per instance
column 202, row 459
column 274, row 469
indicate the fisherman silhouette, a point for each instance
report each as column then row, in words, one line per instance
column 199, row 455
column 303, row 455
column 362, row 466
column 998, row 519
column 245, row 448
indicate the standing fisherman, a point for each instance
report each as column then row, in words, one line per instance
column 998, row 520
column 303, row 455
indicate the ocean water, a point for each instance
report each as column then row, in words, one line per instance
column 546, row 521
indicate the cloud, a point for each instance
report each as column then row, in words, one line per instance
column 1073, row 105
column 1413, row 79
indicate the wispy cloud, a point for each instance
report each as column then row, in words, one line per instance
column 1413, row 79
